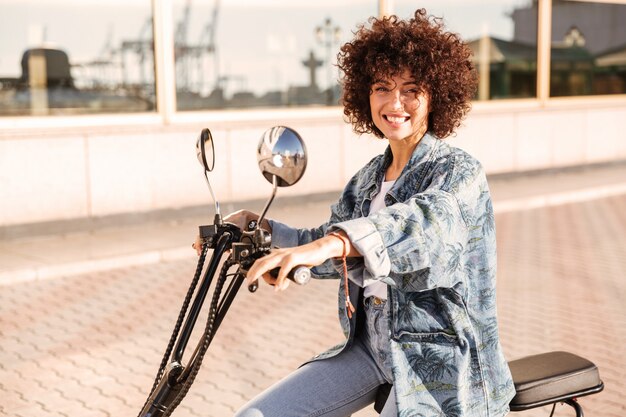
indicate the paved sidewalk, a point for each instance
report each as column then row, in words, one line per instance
column 88, row 340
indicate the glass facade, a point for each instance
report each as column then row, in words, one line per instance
column 506, row 65
column 84, row 57
column 588, row 53
column 242, row 54
column 66, row 57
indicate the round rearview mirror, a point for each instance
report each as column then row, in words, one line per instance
column 204, row 150
column 281, row 153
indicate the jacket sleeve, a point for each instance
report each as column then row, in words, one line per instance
column 284, row 236
column 420, row 243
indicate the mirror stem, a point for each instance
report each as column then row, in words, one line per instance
column 267, row 206
column 218, row 215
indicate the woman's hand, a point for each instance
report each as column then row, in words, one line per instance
column 311, row 254
column 241, row 219
column 197, row 245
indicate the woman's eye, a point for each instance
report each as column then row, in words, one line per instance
column 381, row 89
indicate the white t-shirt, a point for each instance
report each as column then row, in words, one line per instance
column 377, row 288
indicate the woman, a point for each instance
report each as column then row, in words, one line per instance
column 415, row 230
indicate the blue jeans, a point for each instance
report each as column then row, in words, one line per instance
column 338, row 386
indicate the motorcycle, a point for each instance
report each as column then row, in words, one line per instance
column 544, row 379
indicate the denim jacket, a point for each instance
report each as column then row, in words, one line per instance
column 435, row 246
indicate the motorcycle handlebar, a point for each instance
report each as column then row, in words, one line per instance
column 301, row 275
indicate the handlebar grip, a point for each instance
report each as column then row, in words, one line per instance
column 300, row 274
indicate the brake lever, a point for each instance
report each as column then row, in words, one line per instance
column 300, row 274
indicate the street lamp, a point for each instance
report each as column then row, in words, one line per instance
column 328, row 36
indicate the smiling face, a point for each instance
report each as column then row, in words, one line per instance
column 400, row 108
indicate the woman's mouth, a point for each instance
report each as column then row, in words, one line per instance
column 396, row 119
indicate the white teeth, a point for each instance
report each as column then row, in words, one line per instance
column 397, row 119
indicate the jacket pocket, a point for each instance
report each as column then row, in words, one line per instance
column 421, row 317
column 429, row 374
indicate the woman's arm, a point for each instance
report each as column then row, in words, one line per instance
column 430, row 239
column 310, row 254
column 412, row 245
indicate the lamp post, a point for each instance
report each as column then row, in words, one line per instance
column 328, row 36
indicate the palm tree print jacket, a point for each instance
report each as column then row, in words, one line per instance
column 434, row 245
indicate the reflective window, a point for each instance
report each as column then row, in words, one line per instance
column 588, row 54
column 76, row 57
column 261, row 53
column 505, row 58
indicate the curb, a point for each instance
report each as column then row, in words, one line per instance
column 94, row 265
column 557, row 199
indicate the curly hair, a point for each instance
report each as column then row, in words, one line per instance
column 439, row 60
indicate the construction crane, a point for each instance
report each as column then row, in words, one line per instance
column 191, row 58
column 142, row 47
column 210, row 28
column 208, row 46
column 99, row 72
column 181, row 48
column 180, row 36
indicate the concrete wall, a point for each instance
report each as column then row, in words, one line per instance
column 105, row 166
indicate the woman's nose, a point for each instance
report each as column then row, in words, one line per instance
column 396, row 100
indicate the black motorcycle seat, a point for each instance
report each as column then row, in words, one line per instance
column 540, row 380
column 550, row 377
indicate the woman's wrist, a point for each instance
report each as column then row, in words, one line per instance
column 339, row 244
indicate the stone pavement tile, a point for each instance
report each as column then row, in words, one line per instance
column 12, row 399
column 208, row 410
column 560, row 288
column 100, row 337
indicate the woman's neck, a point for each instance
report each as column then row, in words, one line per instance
column 401, row 152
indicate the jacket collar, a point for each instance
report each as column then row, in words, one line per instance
column 415, row 169
column 411, row 176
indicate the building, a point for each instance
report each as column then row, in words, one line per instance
column 117, row 137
